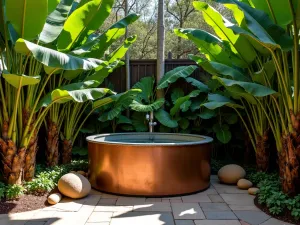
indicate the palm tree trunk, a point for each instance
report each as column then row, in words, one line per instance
column 262, row 153
column 52, row 145
column 13, row 159
column 288, row 165
column 30, row 159
column 67, row 151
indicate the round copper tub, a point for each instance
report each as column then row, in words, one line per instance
column 149, row 164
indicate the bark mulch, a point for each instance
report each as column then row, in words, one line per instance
column 285, row 216
column 23, row 204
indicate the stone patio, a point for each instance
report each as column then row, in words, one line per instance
column 218, row 205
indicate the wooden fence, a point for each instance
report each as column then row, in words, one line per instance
column 144, row 68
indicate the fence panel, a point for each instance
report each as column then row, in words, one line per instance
column 144, row 68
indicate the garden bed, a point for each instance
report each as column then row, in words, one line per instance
column 284, row 216
column 23, row 204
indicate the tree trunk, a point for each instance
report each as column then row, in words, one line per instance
column 160, row 46
column 67, row 151
column 288, row 166
column 13, row 159
column 289, row 157
column 52, row 145
column 30, row 158
column 262, row 153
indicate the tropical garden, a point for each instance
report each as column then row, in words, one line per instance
column 57, row 55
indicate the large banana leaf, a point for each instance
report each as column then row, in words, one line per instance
column 139, row 122
column 215, row 68
column 104, row 70
column 126, row 98
column 55, row 22
column 27, row 16
column 222, row 132
column 146, row 84
column 21, row 80
column 165, row 119
column 198, row 84
column 265, row 75
column 254, row 89
column 83, row 22
column 55, row 59
column 278, row 11
column 80, row 96
column 97, row 46
column 176, row 93
column 173, row 75
column 120, row 104
column 120, row 52
column 183, row 103
column 47, row 99
column 261, row 27
column 213, row 48
column 52, row 4
column 216, row 101
column 239, row 45
column 140, row 107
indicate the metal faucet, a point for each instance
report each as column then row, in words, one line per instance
column 150, row 118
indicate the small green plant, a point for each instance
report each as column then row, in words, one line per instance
column 41, row 184
column 257, row 177
column 14, row 191
column 2, row 190
column 276, row 202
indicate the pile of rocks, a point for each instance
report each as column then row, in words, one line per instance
column 73, row 185
column 235, row 174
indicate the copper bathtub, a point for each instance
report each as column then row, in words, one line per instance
column 149, row 164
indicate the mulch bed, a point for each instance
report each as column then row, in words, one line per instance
column 285, row 216
column 23, row 204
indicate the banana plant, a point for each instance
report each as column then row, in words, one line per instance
column 239, row 75
column 271, row 29
column 146, row 101
column 37, row 40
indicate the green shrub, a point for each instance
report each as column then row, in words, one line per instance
column 271, row 195
column 14, row 191
column 2, row 190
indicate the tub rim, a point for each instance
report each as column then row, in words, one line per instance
column 206, row 139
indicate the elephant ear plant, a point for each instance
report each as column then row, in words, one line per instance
column 252, row 57
column 41, row 42
column 146, row 101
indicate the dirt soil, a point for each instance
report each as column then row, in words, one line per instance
column 285, row 216
column 23, row 204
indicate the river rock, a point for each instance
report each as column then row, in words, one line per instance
column 74, row 185
column 253, row 191
column 244, row 184
column 54, row 198
column 231, row 174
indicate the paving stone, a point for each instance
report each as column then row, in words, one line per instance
column 63, row 218
column 189, row 211
column 177, row 197
column 104, row 195
column 102, row 208
column 230, row 190
column 244, row 223
column 196, row 198
column 238, row 199
column 176, row 200
column 35, row 223
column 107, row 201
column 43, row 216
column 154, row 207
column 214, row 177
column 217, row 222
column 95, row 192
column 215, row 198
column 68, row 205
column 184, row 222
column 220, row 215
column 168, row 200
column 142, row 218
column 252, row 217
column 100, row 223
column 207, row 206
column 274, row 221
column 210, row 190
column 100, row 217
column 153, row 199
column 130, row 201
column 244, row 207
